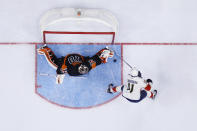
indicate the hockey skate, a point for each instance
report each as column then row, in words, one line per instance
column 43, row 49
column 154, row 94
column 104, row 54
column 109, row 89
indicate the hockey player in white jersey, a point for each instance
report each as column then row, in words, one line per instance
column 136, row 89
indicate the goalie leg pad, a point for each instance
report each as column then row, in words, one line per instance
column 49, row 55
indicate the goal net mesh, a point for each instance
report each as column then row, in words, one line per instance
column 70, row 25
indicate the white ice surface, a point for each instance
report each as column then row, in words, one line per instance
column 140, row 20
column 172, row 68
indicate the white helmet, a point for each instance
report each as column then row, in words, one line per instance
column 135, row 73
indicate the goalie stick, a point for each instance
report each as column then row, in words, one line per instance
column 51, row 75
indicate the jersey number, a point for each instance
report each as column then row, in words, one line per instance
column 130, row 87
column 73, row 59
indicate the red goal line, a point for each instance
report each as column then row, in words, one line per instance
column 159, row 44
column 146, row 44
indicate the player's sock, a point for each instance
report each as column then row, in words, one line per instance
column 148, row 87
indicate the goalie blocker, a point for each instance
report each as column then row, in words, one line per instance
column 74, row 64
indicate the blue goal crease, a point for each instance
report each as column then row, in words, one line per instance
column 90, row 90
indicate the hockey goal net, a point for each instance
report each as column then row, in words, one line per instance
column 70, row 25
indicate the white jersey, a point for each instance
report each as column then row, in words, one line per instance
column 133, row 88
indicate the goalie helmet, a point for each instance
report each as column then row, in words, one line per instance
column 135, row 73
column 83, row 69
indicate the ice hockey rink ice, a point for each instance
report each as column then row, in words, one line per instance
column 172, row 68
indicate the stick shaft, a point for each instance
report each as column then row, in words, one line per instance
column 123, row 60
column 51, row 75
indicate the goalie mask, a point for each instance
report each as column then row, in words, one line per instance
column 83, row 69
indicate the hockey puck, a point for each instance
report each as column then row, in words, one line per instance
column 114, row 60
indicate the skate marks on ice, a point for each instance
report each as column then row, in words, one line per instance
column 78, row 92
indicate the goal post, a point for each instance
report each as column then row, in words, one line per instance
column 80, row 25
column 58, row 33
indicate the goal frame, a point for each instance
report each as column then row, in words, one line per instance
column 61, row 14
column 84, row 33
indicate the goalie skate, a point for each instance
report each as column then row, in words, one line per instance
column 104, row 54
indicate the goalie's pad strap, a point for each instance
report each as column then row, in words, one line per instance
column 49, row 56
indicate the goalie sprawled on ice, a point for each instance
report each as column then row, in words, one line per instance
column 74, row 64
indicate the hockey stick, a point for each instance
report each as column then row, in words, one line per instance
column 46, row 74
column 120, row 57
column 51, row 75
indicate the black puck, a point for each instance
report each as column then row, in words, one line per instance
column 114, row 60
